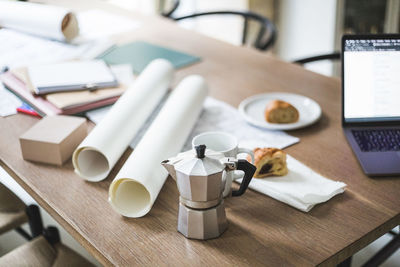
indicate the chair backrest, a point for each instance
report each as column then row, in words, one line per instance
column 9, row 202
column 332, row 56
column 168, row 13
column 266, row 35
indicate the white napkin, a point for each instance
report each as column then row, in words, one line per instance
column 301, row 188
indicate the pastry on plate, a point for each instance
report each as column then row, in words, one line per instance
column 269, row 162
column 278, row 111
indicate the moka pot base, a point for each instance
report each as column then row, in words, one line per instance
column 202, row 223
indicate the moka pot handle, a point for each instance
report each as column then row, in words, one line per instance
column 249, row 170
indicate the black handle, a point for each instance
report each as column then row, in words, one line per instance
column 249, row 170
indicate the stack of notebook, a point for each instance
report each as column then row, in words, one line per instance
column 72, row 102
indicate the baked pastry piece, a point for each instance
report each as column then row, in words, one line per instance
column 278, row 111
column 269, row 162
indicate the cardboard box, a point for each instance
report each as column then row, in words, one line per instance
column 53, row 139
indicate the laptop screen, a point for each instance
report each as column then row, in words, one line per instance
column 371, row 79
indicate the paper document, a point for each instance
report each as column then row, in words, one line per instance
column 96, row 23
column 8, row 102
column 218, row 116
column 19, row 49
column 123, row 73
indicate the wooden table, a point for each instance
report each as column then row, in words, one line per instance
column 262, row 231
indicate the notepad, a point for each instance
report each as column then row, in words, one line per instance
column 71, row 76
column 139, row 54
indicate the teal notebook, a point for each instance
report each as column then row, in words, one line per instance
column 139, row 54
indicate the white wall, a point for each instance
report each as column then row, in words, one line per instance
column 306, row 28
column 226, row 28
column 149, row 7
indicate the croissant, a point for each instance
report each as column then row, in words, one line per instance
column 269, row 162
column 278, row 111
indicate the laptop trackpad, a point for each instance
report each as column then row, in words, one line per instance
column 380, row 163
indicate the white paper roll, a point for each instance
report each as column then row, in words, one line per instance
column 136, row 186
column 97, row 154
column 38, row 19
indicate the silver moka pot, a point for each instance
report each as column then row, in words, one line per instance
column 200, row 177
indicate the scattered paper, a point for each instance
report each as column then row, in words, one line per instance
column 19, row 49
column 96, row 23
column 96, row 115
column 8, row 102
column 218, row 116
column 123, row 73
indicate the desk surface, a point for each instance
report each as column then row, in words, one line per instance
column 262, row 231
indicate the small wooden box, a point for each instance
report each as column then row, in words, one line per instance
column 53, row 139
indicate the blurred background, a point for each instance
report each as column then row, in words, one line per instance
column 304, row 28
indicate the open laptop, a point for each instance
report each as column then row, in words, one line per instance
column 371, row 100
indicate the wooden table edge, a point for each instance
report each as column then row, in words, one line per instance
column 362, row 242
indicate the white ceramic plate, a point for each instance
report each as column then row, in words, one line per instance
column 253, row 108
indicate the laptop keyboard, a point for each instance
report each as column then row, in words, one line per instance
column 378, row 140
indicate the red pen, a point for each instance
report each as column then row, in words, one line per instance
column 28, row 110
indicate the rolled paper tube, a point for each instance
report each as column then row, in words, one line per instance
column 97, row 154
column 52, row 22
column 136, row 186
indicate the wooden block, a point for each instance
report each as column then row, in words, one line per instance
column 53, row 139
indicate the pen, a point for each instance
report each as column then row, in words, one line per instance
column 28, row 110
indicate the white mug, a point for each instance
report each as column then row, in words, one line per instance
column 226, row 144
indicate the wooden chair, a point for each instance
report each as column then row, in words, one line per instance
column 14, row 213
column 168, row 13
column 332, row 56
column 266, row 35
column 44, row 251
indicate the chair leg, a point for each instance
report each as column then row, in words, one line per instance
column 52, row 235
column 23, row 233
column 384, row 253
column 35, row 220
column 345, row 263
column 245, row 29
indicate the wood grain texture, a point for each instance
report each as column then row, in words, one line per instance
column 262, row 231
